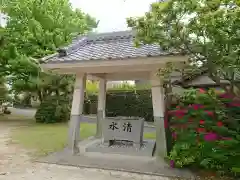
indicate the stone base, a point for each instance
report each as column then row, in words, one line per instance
column 146, row 148
column 113, row 162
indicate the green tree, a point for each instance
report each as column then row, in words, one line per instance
column 36, row 28
column 207, row 31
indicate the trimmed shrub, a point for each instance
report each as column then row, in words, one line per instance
column 53, row 109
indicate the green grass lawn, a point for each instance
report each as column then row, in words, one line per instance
column 47, row 138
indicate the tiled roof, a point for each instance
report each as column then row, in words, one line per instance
column 104, row 46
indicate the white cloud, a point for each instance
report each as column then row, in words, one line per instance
column 113, row 13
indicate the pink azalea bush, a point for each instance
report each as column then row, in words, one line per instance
column 202, row 133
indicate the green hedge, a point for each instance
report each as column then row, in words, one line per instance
column 118, row 103
column 124, row 103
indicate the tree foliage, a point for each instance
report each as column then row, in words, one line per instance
column 208, row 31
column 36, row 28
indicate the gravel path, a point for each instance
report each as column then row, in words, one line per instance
column 15, row 164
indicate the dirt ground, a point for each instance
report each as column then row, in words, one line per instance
column 16, row 164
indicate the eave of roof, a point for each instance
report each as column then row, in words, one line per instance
column 104, row 46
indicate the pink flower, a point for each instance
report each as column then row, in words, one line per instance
column 202, row 91
column 235, row 104
column 201, row 122
column 178, row 113
column 210, row 137
column 179, row 116
column 197, row 106
column 172, row 112
column 210, row 113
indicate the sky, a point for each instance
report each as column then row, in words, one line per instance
column 112, row 13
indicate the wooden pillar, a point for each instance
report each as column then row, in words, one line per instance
column 101, row 106
column 76, row 112
column 158, row 112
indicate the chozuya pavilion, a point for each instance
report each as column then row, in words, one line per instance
column 112, row 57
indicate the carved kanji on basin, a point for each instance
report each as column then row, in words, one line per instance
column 123, row 129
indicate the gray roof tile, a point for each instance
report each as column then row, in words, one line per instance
column 104, row 46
